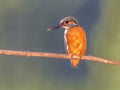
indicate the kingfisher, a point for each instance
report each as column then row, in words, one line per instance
column 75, row 38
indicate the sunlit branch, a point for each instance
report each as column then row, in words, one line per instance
column 56, row 55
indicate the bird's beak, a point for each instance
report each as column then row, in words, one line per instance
column 55, row 27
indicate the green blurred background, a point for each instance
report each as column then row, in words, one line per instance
column 23, row 25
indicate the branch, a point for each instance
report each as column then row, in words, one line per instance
column 55, row 55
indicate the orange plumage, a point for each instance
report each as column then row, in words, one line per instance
column 75, row 38
column 75, row 43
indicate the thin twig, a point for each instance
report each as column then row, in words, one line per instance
column 56, row 55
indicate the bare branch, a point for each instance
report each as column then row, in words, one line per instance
column 56, row 55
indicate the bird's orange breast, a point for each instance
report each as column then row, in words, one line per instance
column 75, row 38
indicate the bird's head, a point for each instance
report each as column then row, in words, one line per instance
column 66, row 23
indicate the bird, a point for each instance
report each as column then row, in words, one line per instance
column 75, row 38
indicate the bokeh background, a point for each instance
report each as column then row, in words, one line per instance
column 23, row 25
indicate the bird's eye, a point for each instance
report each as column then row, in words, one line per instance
column 66, row 21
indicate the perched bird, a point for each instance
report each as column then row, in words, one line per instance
column 75, row 38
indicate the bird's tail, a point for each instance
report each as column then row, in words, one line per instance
column 74, row 63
